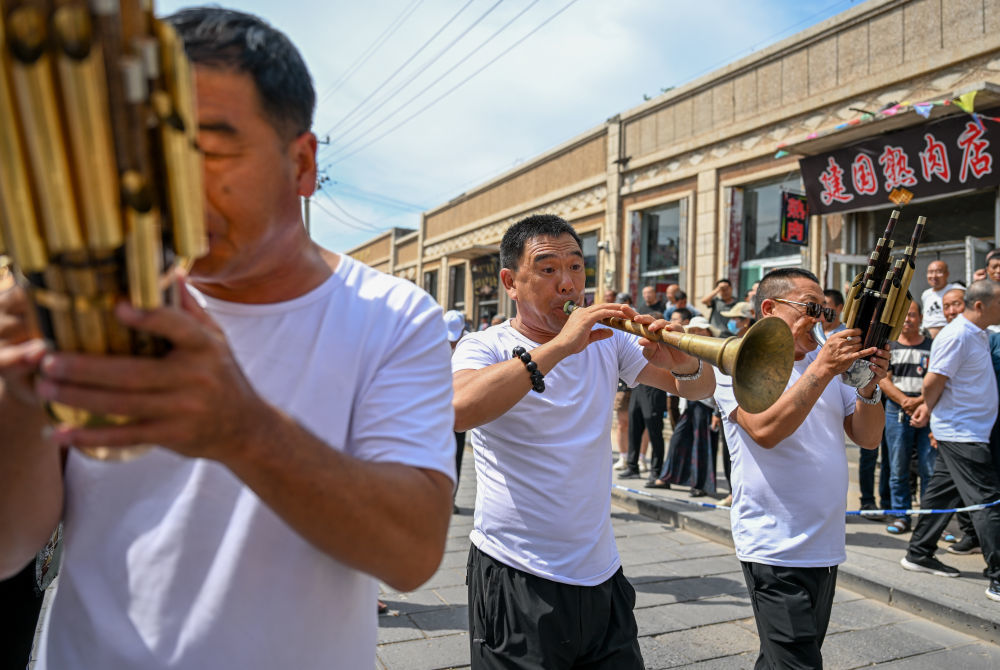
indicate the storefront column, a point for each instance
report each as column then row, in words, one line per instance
column 612, row 234
column 707, row 241
column 444, row 283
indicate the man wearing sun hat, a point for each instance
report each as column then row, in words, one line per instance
column 740, row 317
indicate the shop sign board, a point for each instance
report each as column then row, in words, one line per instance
column 950, row 155
column 794, row 218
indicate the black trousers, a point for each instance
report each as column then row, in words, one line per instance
column 20, row 602
column 964, row 520
column 963, row 475
column 792, row 609
column 520, row 621
column 645, row 412
column 459, row 450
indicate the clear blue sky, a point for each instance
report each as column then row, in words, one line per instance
column 590, row 61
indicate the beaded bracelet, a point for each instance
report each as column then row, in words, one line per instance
column 537, row 378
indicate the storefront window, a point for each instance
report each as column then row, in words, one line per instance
column 762, row 221
column 761, row 249
column 485, row 283
column 431, row 283
column 456, row 287
column 661, row 254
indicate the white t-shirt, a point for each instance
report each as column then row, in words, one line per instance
column 789, row 502
column 172, row 562
column 543, row 471
column 967, row 408
column 933, row 312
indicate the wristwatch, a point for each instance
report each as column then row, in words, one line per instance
column 876, row 398
column 688, row 378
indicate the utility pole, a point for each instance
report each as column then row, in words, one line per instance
column 305, row 214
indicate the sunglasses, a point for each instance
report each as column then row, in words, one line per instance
column 813, row 310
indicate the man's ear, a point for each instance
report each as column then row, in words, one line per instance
column 303, row 150
column 507, row 279
column 767, row 307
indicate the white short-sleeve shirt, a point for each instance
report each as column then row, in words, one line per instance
column 543, row 469
column 967, row 408
column 172, row 562
column 789, row 502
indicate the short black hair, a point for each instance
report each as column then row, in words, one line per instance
column 230, row 40
column 991, row 254
column 537, row 225
column 776, row 284
column 680, row 295
column 835, row 295
column 724, row 279
column 685, row 313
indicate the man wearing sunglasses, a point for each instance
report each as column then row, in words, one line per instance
column 790, row 473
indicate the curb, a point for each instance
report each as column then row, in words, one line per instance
column 907, row 600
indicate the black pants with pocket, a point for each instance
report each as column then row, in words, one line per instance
column 963, row 475
column 520, row 621
column 792, row 609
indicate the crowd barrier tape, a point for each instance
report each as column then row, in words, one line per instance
column 856, row 512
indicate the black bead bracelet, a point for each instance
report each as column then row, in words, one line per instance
column 537, row 378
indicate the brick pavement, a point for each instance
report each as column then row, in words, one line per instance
column 691, row 607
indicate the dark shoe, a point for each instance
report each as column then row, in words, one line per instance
column 899, row 526
column 993, row 592
column 967, row 545
column 657, row 484
column 629, row 474
column 696, row 493
column 929, row 565
column 872, row 517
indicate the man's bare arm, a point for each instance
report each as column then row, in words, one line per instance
column 784, row 417
column 488, row 393
column 695, row 389
column 934, row 384
column 31, row 486
column 386, row 519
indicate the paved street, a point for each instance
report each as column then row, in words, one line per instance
column 692, row 610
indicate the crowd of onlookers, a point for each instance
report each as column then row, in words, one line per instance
column 907, row 459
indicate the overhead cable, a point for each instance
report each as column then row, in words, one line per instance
column 405, row 63
column 372, row 48
column 343, row 156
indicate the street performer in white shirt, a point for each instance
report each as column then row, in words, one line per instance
column 790, row 473
column 546, row 588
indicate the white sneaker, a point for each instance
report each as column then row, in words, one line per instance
column 621, row 464
column 643, row 465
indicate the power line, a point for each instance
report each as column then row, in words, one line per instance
column 348, row 214
column 384, row 101
column 461, row 61
column 380, row 199
column 338, row 159
column 373, row 47
column 405, row 63
column 341, row 221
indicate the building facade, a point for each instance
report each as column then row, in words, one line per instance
column 694, row 185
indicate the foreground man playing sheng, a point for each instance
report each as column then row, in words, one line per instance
column 546, row 588
column 790, row 474
column 252, row 536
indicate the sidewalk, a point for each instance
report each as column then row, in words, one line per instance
column 872, row 568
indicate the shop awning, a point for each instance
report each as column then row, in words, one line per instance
column 846, row 134
column 475, row 251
